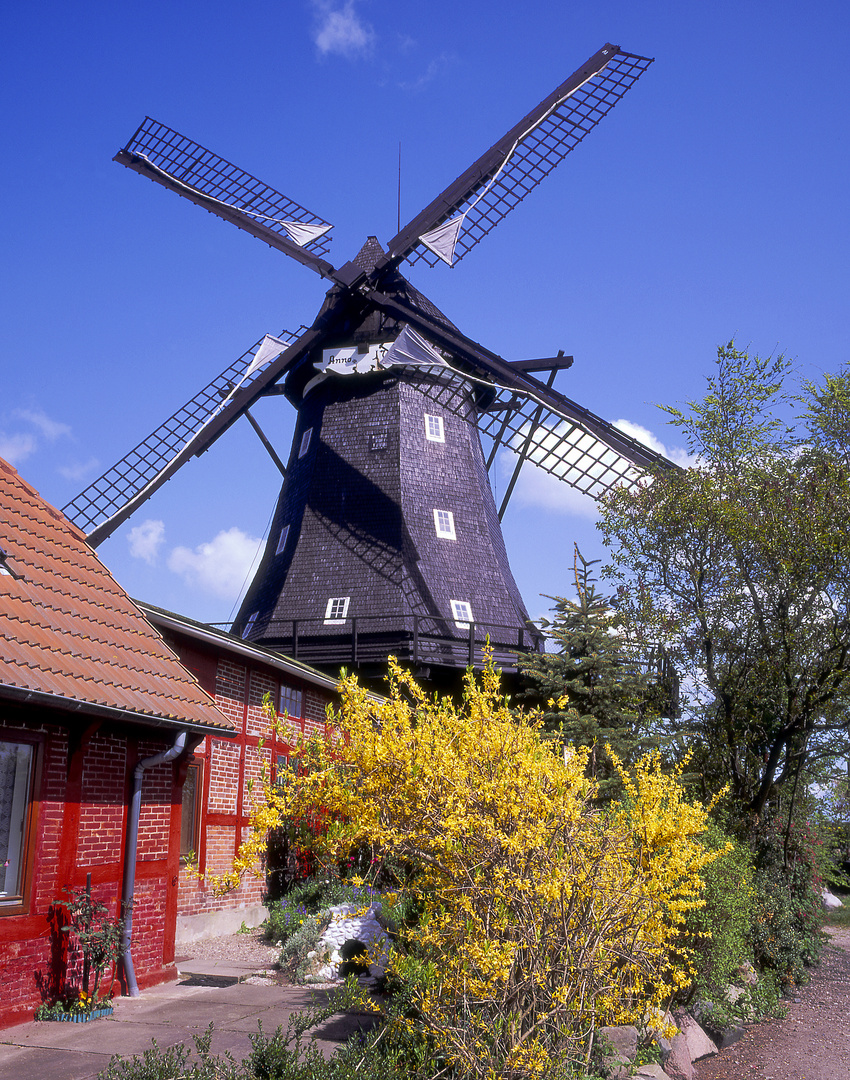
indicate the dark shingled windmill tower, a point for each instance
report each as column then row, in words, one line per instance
column 386, row 536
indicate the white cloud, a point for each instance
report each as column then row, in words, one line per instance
column 642, row 434
column 536, row 487
column 79, row 470
column 221, row 566
column 50, row 429
column 146, row 539
column 340, row 30
column 17, row 448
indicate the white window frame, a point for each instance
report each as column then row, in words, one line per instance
column 462, row 612
column 336, row 610
column 305, row 443
column 444, row 524
column 438, row 432
column 281, row 540
column 249, row 625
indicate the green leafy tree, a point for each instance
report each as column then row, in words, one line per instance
column 740, row 567
column 597, row 690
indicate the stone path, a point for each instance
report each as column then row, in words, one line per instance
column 811, row 1043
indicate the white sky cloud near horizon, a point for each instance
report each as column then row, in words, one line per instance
column 221, row 566
column 38, row 428
column 146, row 539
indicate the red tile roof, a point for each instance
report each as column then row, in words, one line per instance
column 68, row 629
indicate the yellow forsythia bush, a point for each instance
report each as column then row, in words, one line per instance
column 542, row 917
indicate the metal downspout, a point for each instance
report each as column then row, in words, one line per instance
column 131, row 849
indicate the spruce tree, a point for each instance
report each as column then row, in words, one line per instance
column 597, row 689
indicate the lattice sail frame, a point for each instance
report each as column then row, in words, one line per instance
column 215, row 177
column 145, row 463
column 565, row 443
column 537, row 152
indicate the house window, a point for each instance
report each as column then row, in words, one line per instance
column 434, row 428
column 17, row 768
column 305, row 442
column 336, row 610
column 462, row 612
column 291, row 700
column 444, row 523
column 249, row 625
column 282, row 768
column 190, row 819
column 281, row 540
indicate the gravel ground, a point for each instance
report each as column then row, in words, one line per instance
column 248, row 948
column 811, row 1043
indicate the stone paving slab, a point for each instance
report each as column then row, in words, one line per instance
column 171, row 1013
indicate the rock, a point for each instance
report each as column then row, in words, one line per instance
column 616, row 1048
column 678, row 1065
column 830, row 900
column 699, row 1044
column 733, row 995
column 748, row 974
column 650, row 1072
column 724, row 1032
column 352, row 942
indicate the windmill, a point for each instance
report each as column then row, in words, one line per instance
column 386, row 537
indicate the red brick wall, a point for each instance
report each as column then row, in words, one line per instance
column 80, row 827
column 229, row 765
column 102, row 813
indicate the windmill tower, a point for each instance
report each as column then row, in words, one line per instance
column 386, row 536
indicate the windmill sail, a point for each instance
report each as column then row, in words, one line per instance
column 478, row 200
column 171, row 159
column 112, row 498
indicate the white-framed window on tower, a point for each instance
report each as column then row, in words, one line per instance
column 336, row 610
column 462, row 611
column 434, row 431
column 281, row 540
column 444, row 523
column 305, row 442
column 249, row 625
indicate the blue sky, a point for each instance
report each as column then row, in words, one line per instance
column 711, row 203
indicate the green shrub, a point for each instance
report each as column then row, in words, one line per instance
column 294, row 958
column 722, row 930
column 175, row 1063
column 787, row 932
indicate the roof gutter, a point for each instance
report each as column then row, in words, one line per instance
column 131, row 851
column 161, row 618
column 24, row 696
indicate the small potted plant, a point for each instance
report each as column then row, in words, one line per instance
column 97, row 937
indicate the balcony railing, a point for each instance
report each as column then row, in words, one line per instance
column 420, row 640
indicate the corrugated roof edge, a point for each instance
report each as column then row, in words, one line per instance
column 26, row 696
column 163, row 619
